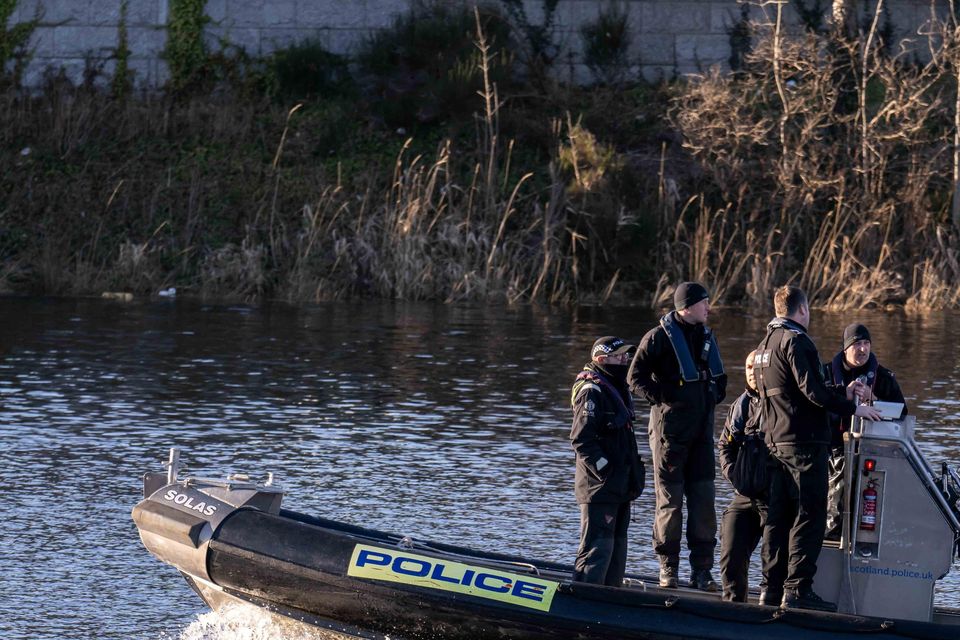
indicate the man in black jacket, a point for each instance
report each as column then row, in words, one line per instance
column 795, row 400
column 742, row 522
column 609, row 473
column 855, row 361
column 678, row 370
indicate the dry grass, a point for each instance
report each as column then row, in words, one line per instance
column 231, row 198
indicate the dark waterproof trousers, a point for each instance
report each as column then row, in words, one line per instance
column 684, row 468
column 835, row 493
column 602, row 557
column 741, row 529
column 796, row 516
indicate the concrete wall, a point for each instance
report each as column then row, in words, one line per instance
column 669, row 36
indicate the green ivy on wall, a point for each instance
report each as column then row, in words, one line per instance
column 185, row 53
column 13, row 42
column 120, row 85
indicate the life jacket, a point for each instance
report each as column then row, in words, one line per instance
column 689, row 372
column 750, row 418
column 588, row 378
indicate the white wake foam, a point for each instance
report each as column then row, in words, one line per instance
column 247, row 622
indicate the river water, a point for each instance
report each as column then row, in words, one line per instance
column 441, row 422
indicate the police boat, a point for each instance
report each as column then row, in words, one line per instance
column 234, row 543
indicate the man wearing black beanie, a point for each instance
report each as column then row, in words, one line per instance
column 854, row 361
column 678, row 370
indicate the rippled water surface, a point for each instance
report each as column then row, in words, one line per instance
column 442, row 422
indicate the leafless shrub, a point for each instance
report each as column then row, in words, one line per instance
column 821, row 157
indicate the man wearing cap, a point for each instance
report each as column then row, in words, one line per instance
column 609, row 472
column 794, row 401
column 678, row 370
column 855, row 361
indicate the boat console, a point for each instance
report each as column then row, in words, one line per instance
column 901, row 526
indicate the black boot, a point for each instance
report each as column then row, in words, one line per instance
column 805, row 599
column 769, row 598
column 702, row 580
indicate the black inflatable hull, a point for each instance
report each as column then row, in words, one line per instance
column 233, row 543
column 327, row 573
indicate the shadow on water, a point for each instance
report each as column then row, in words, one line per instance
column 442, row 422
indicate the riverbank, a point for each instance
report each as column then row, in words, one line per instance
column 464, row 179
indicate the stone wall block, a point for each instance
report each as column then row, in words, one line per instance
column 73, row 68
column 102, row 13
column 78, row 42
column 654, row 49
column 246, row 39
column 28, row 10
column 572, row 14
column 143, row 12
column 664, row 16
column 33, row 74
column 381, row 14
column 332, row 15
column 346, row 42
column 244, row 13
column 41, row 42
column 790, row 20
column 696, row 54
column 146, row 42
column 64, row 11
column 283, row 37
column 280, row 13
column 724, row 15
column 141, row 70
column 216, row 10
column 534, row 10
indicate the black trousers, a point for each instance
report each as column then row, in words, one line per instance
column 684, row 468
column 741, row 529
column 602, row 557
column 796, row 516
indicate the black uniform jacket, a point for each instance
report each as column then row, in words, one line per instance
column 883, row 383
column 743, row 419
column 795, row 398
column 603, row 429
column 681, row 407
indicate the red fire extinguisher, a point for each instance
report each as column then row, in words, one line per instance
column 868, row 514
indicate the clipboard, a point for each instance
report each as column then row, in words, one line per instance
column 889, row 410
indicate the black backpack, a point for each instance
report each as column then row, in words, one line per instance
column 749, row 475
